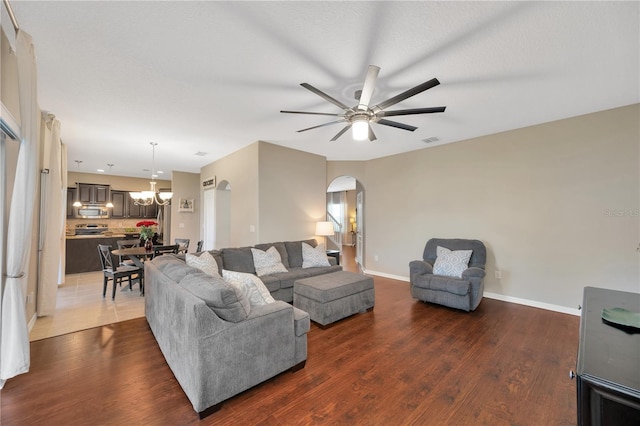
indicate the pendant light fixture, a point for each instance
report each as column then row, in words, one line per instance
column 77, row 202
column 110, row 202
column 146, row 198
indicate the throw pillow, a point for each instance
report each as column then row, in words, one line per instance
column 451, row 263
column 313, row 257
column 250, row 286
column 205, row 262
column 267, row 262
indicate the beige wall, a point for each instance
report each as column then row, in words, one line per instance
column 557, row 205
column 292, row 193
column 240, row 169
column 121, row 183
column 185, row 224
column 277, row 192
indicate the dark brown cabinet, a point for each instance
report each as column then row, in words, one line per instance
column 119, row 200
column 71, row 197
column 93, row 194
column 125, row 207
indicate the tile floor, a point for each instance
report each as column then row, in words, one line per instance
column 80, row 306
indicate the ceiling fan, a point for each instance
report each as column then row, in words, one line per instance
column 361, row 116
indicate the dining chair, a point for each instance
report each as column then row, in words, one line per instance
column 122, row 244
column 183, row 243
column 199, row 246
column 112, row 271
column 160, row 250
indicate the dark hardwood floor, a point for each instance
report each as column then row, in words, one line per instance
column 405, row 362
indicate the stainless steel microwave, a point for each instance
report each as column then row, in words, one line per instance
column 92, row 212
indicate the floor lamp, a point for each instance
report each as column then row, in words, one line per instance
column 324, row 229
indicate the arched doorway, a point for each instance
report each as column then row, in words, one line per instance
column 216, row 223
column 345, row 204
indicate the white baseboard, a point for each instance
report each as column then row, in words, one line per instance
column 496, row 296
column 533, row 303
column 32, row 322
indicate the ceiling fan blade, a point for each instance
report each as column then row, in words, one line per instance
column 324, row 96
column 410, row 111
column 321, row 125
column 406, row 94
column 372, row 136
column 397, row 125
column 369, row 86
column 341, row 132
column 312, row 113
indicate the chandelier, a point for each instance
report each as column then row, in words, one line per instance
column 146, row 198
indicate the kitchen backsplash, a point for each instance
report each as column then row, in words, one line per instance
column 115, row 225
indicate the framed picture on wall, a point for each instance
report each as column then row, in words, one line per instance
column 185, row 205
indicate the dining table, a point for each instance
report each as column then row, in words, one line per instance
column 137, row 255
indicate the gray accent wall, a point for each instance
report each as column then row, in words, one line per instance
column 557, row 205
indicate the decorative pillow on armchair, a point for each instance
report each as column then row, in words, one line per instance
column 451, row 263
column 313, row 257
column 267, row 262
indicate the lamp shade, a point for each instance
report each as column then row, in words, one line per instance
column 324, row 229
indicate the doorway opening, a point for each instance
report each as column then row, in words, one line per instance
column 345, row 208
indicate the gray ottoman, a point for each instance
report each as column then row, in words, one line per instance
column 331, row 297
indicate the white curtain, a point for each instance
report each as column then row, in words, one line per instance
column 14, row 335
column 52, row 217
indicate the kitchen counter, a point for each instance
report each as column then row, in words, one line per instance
column 83, row 237
column 82, row 251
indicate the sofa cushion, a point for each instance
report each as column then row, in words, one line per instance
column 282, row 249
column 451, row 285
column 173, row 267
column 294, row 251
column 314, row 256
column 272, row 282
column 238, row 259
column 227, row 301
column 288, row 278
column 205, row 262
column 250, row 286
column 267, row 262
column 451, row 263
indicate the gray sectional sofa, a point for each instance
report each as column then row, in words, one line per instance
column 280, row 285
column 216, row 344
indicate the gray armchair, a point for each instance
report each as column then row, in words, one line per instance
column 461, row 293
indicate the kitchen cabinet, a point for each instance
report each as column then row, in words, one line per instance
column 82, row 253
column 125, row 207
column 93, row 194
column 71, row 197
column 119, row 200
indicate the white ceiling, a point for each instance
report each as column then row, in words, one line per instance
column 211, row 77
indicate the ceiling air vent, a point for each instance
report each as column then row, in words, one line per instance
column 430, row 140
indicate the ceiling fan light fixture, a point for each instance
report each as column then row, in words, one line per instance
column 360, row 128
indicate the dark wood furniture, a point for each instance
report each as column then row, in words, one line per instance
column 335, row 254
column 81, row 253
column 136, row 254
column 116, row 273
column 608, row 364
column 160, row 250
